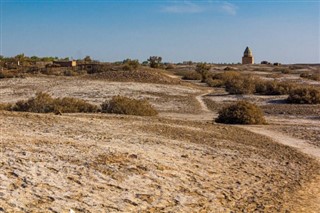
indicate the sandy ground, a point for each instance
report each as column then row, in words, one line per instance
column 174, row 98
column 101, row 163
column 177, row 162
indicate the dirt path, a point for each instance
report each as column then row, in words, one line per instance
column 299, row 144
column 201, row 102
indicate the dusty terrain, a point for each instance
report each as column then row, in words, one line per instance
column 179, row 161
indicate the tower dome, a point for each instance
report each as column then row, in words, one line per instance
column 247, row 57
column 247, row 52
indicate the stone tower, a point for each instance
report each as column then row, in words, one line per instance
column 247, row 57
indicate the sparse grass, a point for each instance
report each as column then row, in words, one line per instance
column 44, row 103
column 241, row 112
column 128, row 106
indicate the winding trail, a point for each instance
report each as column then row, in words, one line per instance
column 296, row 143
column 201, row 102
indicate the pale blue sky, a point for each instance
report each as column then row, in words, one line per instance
column 211, row 31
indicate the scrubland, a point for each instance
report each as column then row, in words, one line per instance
column 176, row 159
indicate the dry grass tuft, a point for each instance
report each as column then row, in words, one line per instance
column 128, row 106
column 241, row 113
column 44, row 103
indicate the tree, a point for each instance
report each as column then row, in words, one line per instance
column 87, row 59
column 203, row 69
column 155, row 61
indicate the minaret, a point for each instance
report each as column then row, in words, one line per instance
column 247, row 57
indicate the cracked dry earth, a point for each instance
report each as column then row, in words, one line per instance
column 111, row 163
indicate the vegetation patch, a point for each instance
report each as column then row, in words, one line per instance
column 242, row 112
column 311, row 76
column 128, row 106
column 191, row 75
column 44, row 103
column 304, row 95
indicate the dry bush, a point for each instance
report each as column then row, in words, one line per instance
column 128, row 106
column 237, row 83
column 10, row 74
column 5, row 106
column 241, row 85
column 272, row 87
column 215, row 82
column 44, row 103
column 311, row 76
column 304, row 95
column 73, row 105
column 241, row 113
column 191, row 75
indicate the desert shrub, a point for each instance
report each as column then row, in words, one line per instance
column 203, row 70
column 304, row 95
column 73, row 105
column 10, row 74
column 311, row 76
column 215, row 82
column 229, row 69
column 272, row 87
column 44, row 103
column 128, row 106
column 169, row 67
column 155, row 61
column 5, row 106
column 226, row 76
column 70, row 73
column 241, row 85
column 191, row 75
column 241, row 113
column 129, row 64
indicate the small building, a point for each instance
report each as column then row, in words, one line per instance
column 72, row 63
column 247, row 57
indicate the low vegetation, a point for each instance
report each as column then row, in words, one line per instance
column 242, row 112
column 311, row 76
column 128, row 106
column 191, row 75
column 304, row 95
column 44, row 103
column 237, row 83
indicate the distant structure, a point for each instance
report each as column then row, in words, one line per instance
column 72, row 63
column 247, row 57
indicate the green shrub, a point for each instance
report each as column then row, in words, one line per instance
column 241, row 113
column 128, row 106
column 44, row 103
column 304, row 95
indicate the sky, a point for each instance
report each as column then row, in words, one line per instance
column 201, row 31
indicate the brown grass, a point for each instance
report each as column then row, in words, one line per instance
column 128, row 106
column 241, row 112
